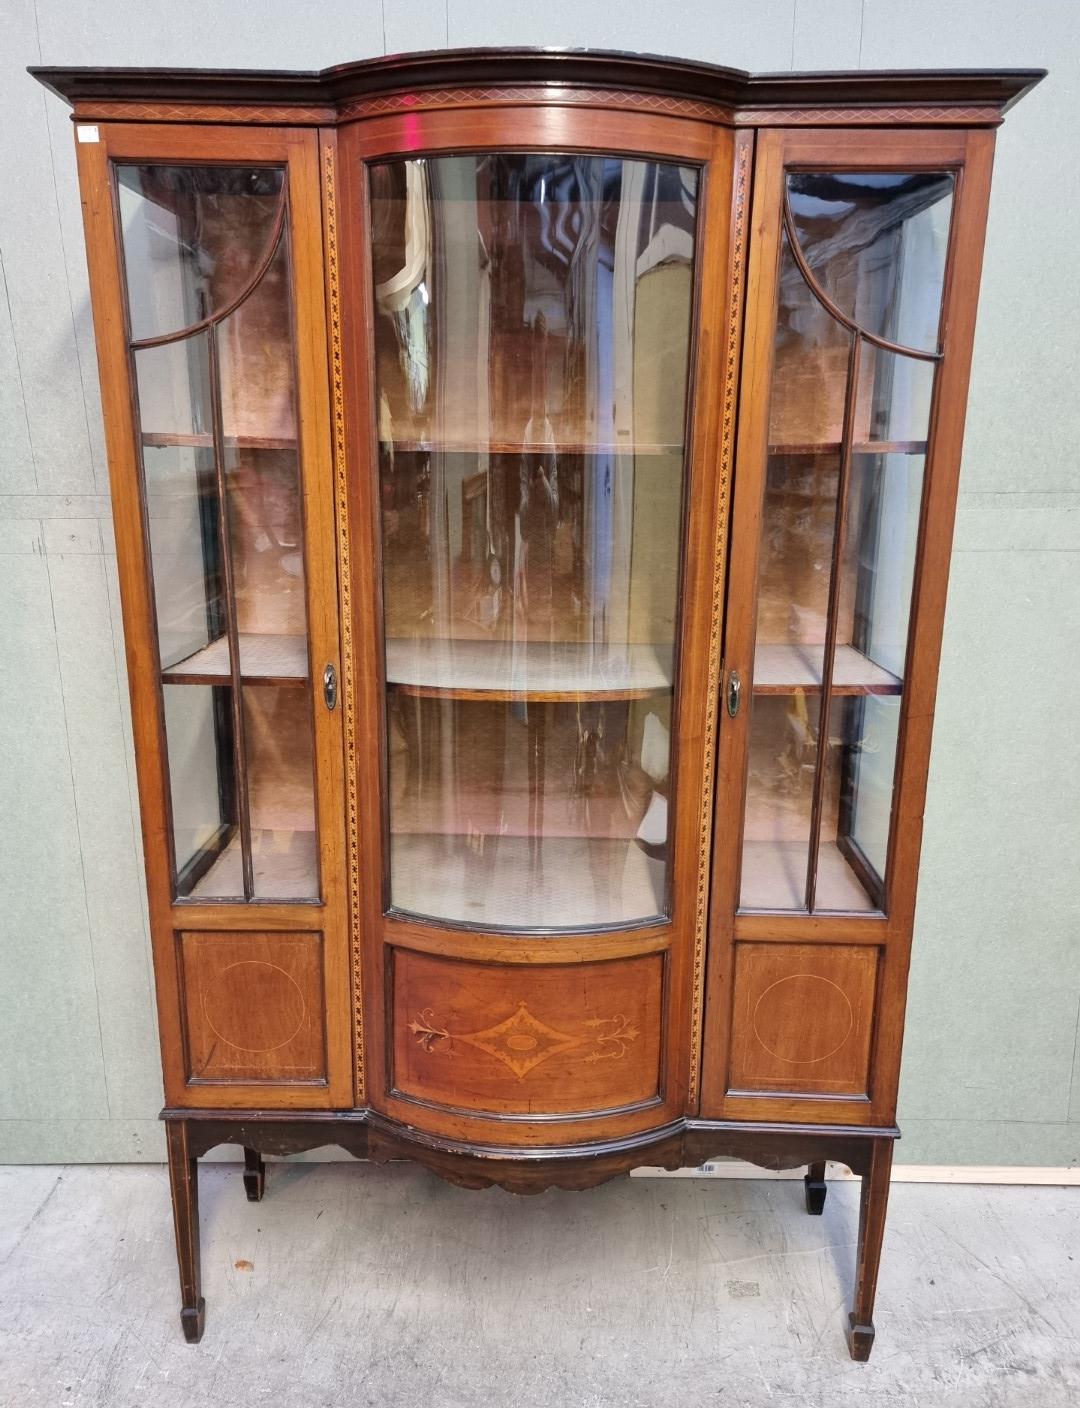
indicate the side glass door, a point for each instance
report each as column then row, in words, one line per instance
column 207, row 267
column 855, row 355
column 858, row 336
column 206, row 260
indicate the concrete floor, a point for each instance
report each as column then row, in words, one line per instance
column 355, row 1285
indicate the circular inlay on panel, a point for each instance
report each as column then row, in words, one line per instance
column 803, row 1019
column 254, row 1006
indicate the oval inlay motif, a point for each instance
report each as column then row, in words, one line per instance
column 521, row 1043
column 254, row 1006
column 798, row 1043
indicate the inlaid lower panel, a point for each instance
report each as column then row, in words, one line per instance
column 253, row 1007
column 802, row 1018
column 526, row 1040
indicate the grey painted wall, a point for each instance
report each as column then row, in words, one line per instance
column 991, row 1073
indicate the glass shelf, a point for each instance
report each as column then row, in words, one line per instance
column 784, row 669
column 863, row 447
column 268, row 659
column 774, row 877
column 447, row 442
column 555, row 670
column 284, row 866
column 522, row 882
column 203, row 440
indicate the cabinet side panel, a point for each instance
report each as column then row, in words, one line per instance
column 108, row 302
column 928, row 602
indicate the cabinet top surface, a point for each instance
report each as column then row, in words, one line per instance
column 686, row 79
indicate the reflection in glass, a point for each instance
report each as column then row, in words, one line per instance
column 531, row 341
column 202, row 785
column 779, row 800
column 194, row 237
column 258, row 397
column 810, row 367
column 181, row 498
column 849, row 423
column 875, row 242
column 281, row 796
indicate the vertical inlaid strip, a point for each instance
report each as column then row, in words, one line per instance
column 743, row 150
column 352, row 838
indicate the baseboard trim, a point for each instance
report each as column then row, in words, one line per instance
column 901, row 1173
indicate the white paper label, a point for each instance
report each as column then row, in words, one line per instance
column 86, row 134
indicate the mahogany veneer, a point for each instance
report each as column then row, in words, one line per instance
column 592, row 842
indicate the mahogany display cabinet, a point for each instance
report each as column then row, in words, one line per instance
column 534, row 475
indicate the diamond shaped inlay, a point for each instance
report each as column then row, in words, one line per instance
column 522, row 1042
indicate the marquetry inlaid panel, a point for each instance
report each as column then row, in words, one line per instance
column 253, row 1006
column 803, row 1015
column 526, row 1039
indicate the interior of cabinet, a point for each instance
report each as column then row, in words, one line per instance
column 206, row 254
column 848, row 425
column 532, row 342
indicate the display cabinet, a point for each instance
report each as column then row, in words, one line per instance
column 533, row 476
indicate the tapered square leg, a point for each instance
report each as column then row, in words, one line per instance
column 254, row 1175
column 873, row 1204
column 816, row 1188
column 184, row 1182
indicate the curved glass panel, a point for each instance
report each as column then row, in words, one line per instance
column 875, row 242
column 532, row 332
column 194, row 237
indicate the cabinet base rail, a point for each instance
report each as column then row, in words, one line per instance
column 688, row 1143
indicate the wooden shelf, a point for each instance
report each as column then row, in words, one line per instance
column 510, row 882
column 285, row 866
column 264, row 659
column 205, row 441
column 557, row 672
column 786, row 669
column 774, row 877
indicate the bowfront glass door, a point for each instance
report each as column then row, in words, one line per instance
column 532, row 329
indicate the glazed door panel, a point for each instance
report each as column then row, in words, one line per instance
column 521, row 329
column 853, row 385
column 210, row 243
